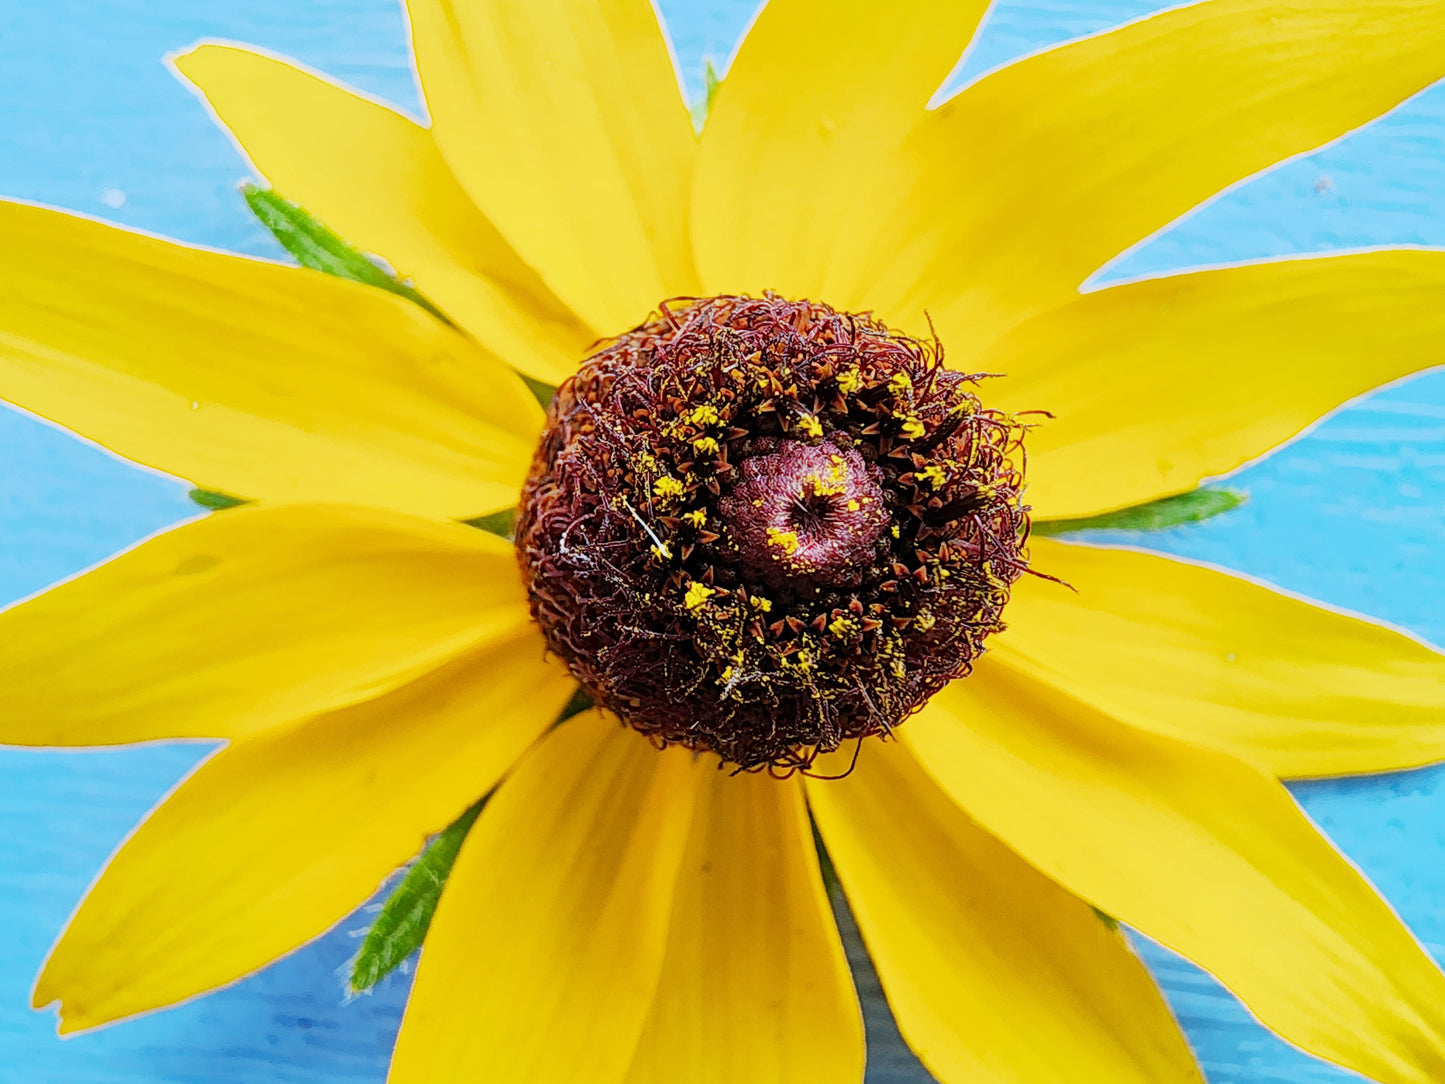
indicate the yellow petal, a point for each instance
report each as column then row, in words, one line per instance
column 755, row 986
column 1160, row 383
column 815, row 97
column 564, row 121
column 1208, row 656
column 378, row 179
column 278, row 837
column 252, row 378
column 993, row 972
column 1020, row 187
column 1200, row 851
column 546, row 947
column 246, row 619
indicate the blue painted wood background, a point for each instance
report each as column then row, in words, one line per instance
column 1354, row 513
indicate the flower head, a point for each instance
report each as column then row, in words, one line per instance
column 758, row 522
column 881, row 585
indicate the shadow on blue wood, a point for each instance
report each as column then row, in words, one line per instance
column 1354, row 513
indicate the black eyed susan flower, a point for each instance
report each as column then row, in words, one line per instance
column 774, row 522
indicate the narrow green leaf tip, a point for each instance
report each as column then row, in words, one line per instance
column 216, row 502
column 401, row 926
column 579, row 703
column 318, row 247
column 1107, row 919
column 1192, row 507
column 539, row 388
column 402, row 923
column 703, row 107
column 499, row 523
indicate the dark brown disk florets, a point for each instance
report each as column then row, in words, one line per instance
column 763, row 528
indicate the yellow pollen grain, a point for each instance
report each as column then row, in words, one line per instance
column 704, row 415
column 662, row 551
column 667, row 488
column 849, row 381
column 816, row 486
column 760, row 604
column 900, row 383
column 697, row 517
column 810, row 426
column 697, row 595
column 842, row 627
column 853, row 504
column 933, row 475
column 912, row 428
column 705, row 445
column 787, row 541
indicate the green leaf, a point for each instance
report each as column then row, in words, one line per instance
column 1107, row 919
column 1192, row 507
column 579, row 703
column 540, row 388
column 216, row 502
column 711, row 81
column 316, row 246
column 499, row 523
column 402, row 924
column 406, row 916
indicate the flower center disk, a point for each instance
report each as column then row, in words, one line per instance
column 764, row 528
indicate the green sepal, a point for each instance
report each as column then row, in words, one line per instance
column 579, row 703
column 711, row 81
column 539, row 388
column 216, row 502
column 318, row 247
column 401, row 926
column 1191, row 507
column 498, row 523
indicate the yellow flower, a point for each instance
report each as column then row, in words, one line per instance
column 620, row 913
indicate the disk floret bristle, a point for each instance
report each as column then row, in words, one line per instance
column 764, row 528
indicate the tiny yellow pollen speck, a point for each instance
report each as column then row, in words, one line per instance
column 697, row 517
column 759, row 603
column 853, row 504
column 810, row 426
column 912, row 428
column 667, row 488
column 697, row 595
column 662, row 551
column 900, row 383
column 706, row 414
column 787, row 541
column 842, row 626
column 849, row 381
column 705, row 445
column 815, row 485
column 933, row 475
